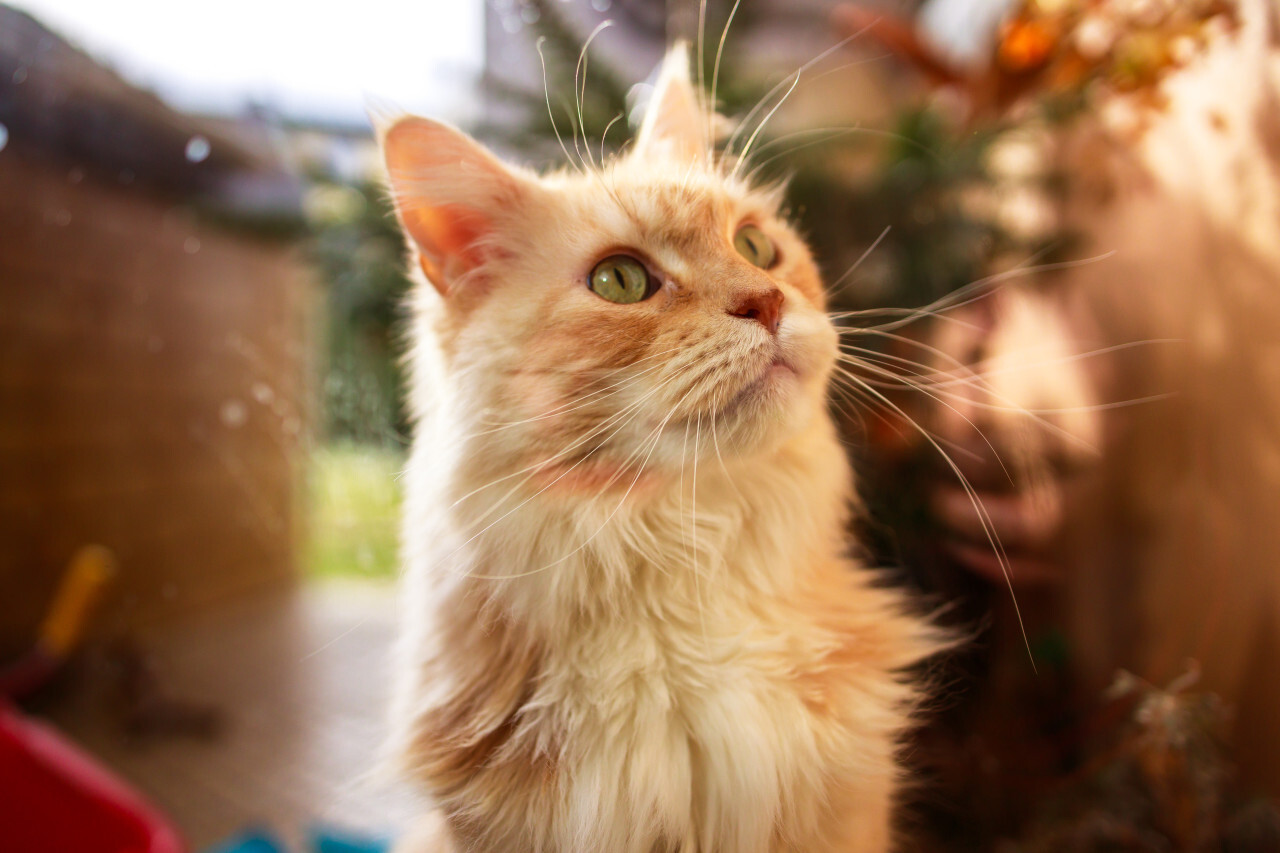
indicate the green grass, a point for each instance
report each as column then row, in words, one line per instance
column 355, row 511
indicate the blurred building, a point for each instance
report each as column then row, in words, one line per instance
column 153, row 341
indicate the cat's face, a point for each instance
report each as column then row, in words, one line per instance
column 622, row 321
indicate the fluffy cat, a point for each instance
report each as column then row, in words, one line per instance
column 631, row 623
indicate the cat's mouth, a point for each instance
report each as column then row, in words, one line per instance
column 779, row 366
column 779, row 370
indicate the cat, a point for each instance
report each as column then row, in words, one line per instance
column 631, row 623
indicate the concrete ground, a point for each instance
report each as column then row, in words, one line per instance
column 300, row 680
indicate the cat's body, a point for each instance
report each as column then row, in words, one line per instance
column 630, row 622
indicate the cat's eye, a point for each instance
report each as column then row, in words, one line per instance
column 622, row 279
column 754, row 245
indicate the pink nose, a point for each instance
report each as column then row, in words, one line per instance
column 763, row 306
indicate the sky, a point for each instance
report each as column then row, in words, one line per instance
column 311, row 60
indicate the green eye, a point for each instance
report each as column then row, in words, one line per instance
column 621, row 279
column 754, row 245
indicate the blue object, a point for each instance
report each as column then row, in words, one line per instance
column 254, row 841
column 321, row 840
column 331, row 841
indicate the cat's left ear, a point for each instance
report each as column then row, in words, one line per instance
column 676, row 124
column 450, row 195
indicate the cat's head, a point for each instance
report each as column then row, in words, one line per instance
column 615, row 319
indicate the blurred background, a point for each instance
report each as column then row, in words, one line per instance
column 1051, row 226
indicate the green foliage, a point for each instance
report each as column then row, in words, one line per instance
column 914, row 188
column 355, row 511
column 846, row 186
column 357, row 247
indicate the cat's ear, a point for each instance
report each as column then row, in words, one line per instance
column 449, row 192
column 676, row 123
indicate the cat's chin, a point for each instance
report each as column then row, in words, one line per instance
column 766, row 410
column 775, row 386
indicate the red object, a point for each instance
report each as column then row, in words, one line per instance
column 56, row 799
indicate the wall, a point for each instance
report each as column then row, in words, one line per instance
column 153, row 375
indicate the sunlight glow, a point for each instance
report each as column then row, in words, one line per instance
column 317, row 60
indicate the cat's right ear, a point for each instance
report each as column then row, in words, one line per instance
column 675, row 122
column 449, row 193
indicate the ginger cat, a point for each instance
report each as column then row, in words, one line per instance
column 631, row 621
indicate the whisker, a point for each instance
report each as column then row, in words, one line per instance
column 834, row 133
column 849, row 349
column 632, row 410
column 778, row 86
column 852, row 400
column 697, row 585
column 836, row 287
column 656, row 435
column 932, row 350
column 715, row 440
column 546, row 90
column 580, row 84
column 862, row 385
column 604, row 136
column 925, row 388
column 988, row 528
column 742, row 157
column 1025, row 365
column 702, row 63
column 1008, row 475
column 962, row 296
column 715, row 72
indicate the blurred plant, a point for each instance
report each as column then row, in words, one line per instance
column 357, row 247
column 907, row 190
column 914, row 204
column 533, row 118
column 1159, row 780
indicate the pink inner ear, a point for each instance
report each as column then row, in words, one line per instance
column 675, row 124
column 445, row 233
column 448, row 190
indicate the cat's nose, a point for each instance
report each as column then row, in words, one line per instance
column 763, row 306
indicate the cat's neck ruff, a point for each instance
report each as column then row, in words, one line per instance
column 723, row 527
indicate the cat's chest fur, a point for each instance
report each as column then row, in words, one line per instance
column 729, row 685
column 705, row 733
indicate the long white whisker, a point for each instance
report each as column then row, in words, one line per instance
column 656, row 436
column 580, row 83
column 862, row 386
column 755, row 133
column 980, row 372
column 988, row 528
column 957, row 412
column 966, row 295
column 632, row 409
column 697, row 584
column 715, row 72
column 604, row 136
column 778, row 86
column 715, row 441
column 838, row 284
column 934, row 392
column 546, row 90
